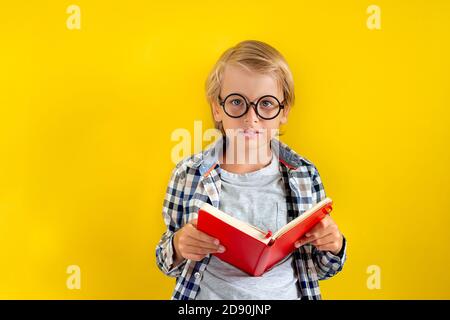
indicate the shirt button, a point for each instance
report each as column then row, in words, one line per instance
column 197, row 275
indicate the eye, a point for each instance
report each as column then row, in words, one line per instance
column 266, row 104
column 236, row 102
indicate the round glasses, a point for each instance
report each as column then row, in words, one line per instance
column 236, row 105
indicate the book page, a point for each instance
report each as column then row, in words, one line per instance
column 299, row 219
column 258, row 233
column 238, row 224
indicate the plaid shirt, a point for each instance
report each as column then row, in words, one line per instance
column 196, row 180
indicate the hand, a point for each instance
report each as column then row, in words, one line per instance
column 190, row 243
column 325, row 236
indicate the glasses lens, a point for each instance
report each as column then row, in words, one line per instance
column 268, row 107
column 235, row 106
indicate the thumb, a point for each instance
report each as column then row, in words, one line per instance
column 193, row 222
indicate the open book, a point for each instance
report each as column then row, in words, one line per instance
column 250, row 249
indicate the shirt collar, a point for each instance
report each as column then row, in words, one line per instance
column 208, row 159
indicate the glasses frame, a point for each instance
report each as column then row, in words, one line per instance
column 251, row 104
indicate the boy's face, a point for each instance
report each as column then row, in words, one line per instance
column 255, row 131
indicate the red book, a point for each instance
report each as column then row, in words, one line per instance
column 250, row 249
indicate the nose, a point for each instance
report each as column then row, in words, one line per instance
column 251, row 115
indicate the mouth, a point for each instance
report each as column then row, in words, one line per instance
column 251, row 132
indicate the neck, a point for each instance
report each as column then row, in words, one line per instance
column 254, row 159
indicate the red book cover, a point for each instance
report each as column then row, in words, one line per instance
column 250, row 249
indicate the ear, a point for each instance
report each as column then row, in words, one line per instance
column 284, row 114
column 217, row 112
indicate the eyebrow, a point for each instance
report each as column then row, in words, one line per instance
column 246, row 97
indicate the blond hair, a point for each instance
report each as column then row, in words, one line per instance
column 256, row 56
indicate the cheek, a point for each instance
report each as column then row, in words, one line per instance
column 272, row 126
column 231, row 123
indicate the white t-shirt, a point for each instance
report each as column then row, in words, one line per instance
column 259, row 198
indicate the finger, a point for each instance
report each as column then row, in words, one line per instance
column 311, row 238
column 321, row 225
column 203, row 236
column 333, row 246
column 198, row 243
column 329, row 238
column 300, row 242
column 194, row 222
column 320, row 231
column 315, row 231
column 317, row 234
column 199, row 250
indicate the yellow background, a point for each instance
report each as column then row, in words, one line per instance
column 86, row 117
